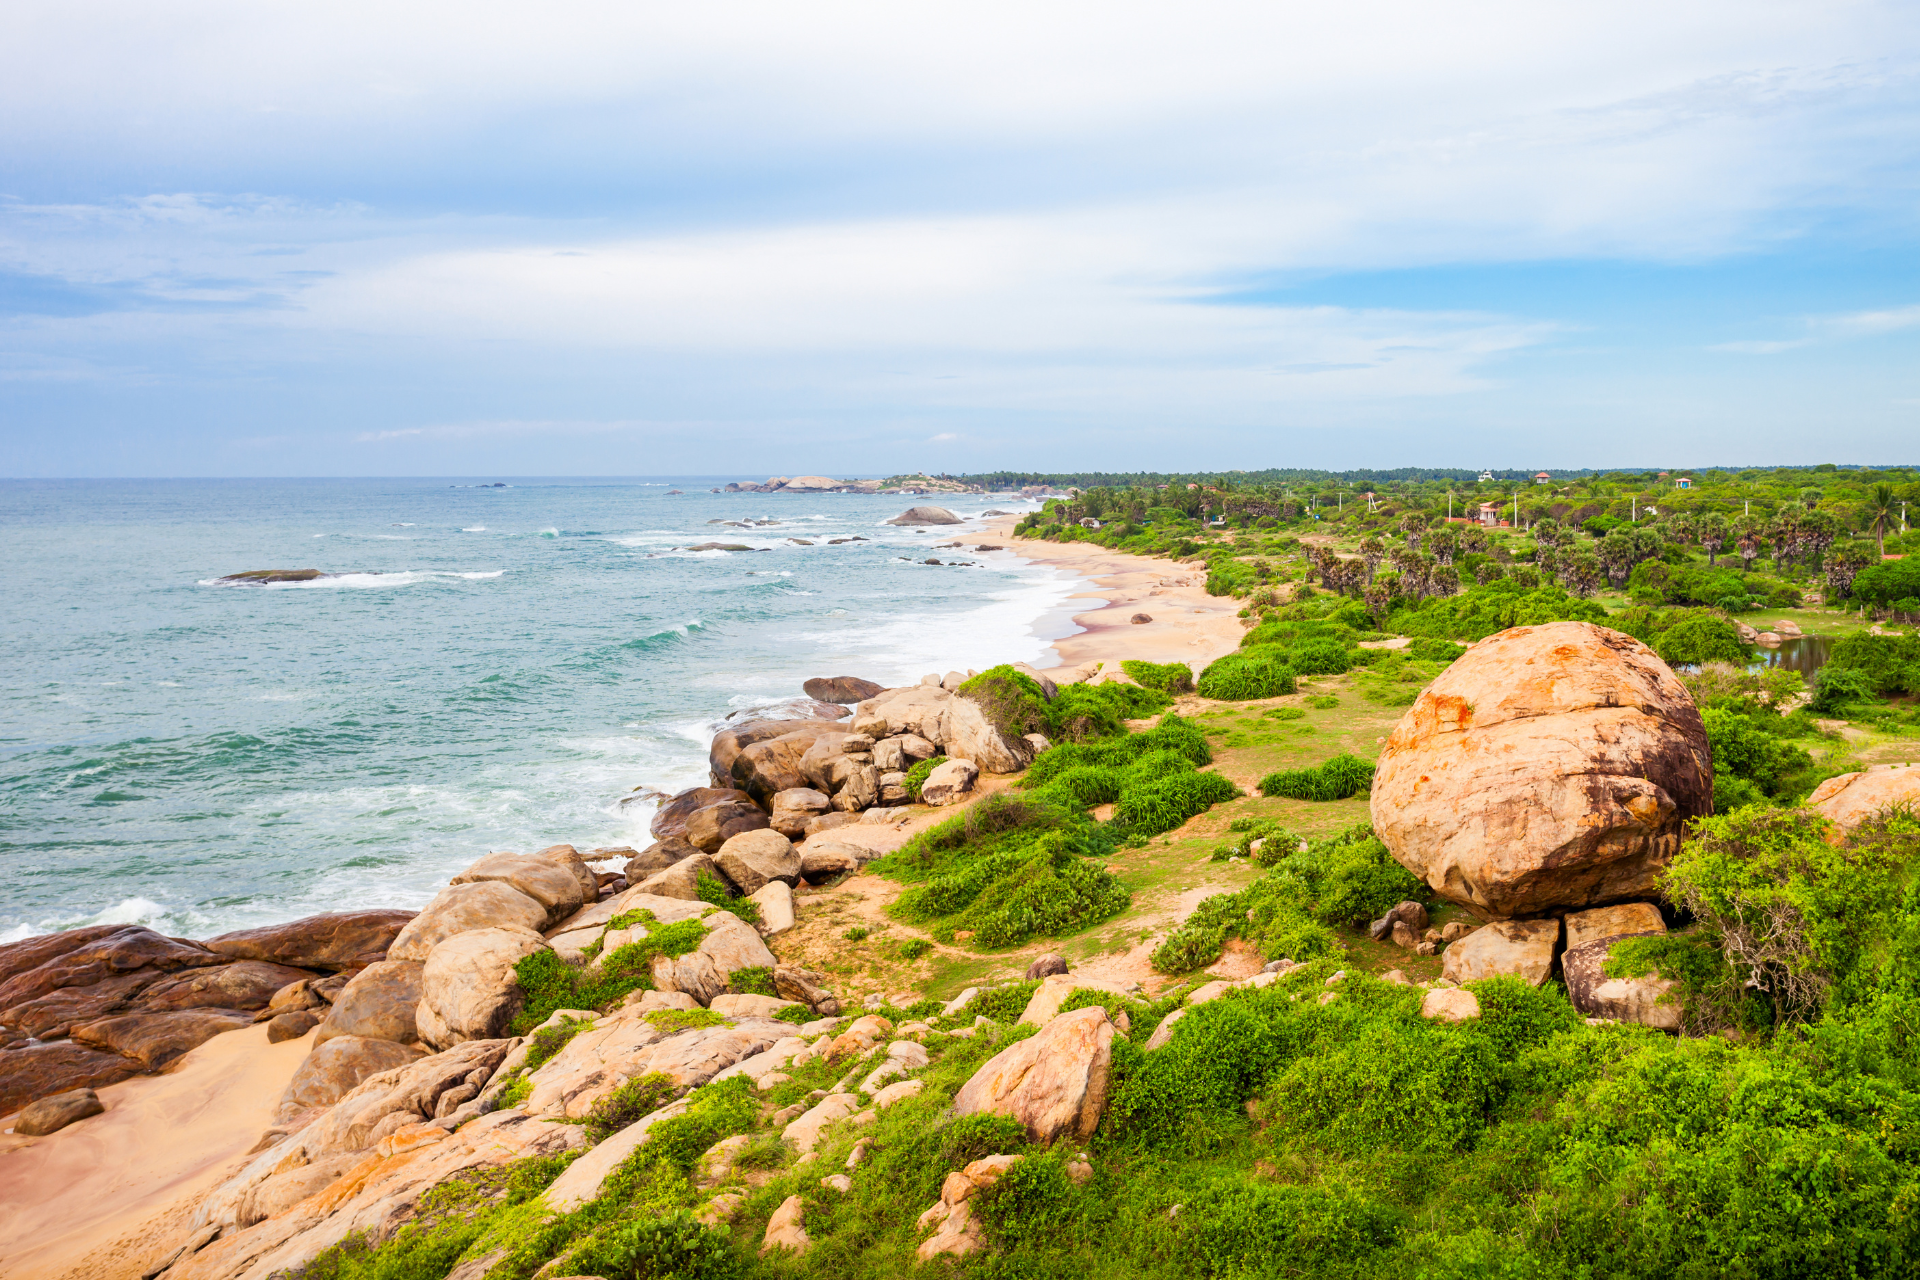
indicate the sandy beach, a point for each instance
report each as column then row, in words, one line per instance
column 1188, row 624
column 103, row 1199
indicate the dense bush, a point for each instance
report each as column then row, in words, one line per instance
column 1488, row 608
column 917, row 776
column 1427, row 649
column 1150, row 807
column 1172, row 734
column 1698, row 640
column 550, row 983
column 1343, row 776
column 1890, row 664
column 1884, row 585
column 1248, row 674
column 1167, row 677
column 1751, row 764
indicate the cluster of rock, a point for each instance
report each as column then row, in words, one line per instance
column 800, row 778
column 805, row 484
column 94, row 1006
column 1543, row 781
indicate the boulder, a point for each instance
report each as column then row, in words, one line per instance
column 842, row 689
column 657, row 856
column 1520, row 947
column 1610, row 922
column 804, row 1132
column 1046, row 967
column 681, row 879
column 803, row 987
column 41, row 1070
column 786, row 1229
column 1650, row 999
column 1551, row 766
column 1054, row 1082
column 378, row 1004
column 468, row 989
column 824, row 859
column 731, row 944
column 830, row 822
column 713, row 826
column 859, row 786
column 917, row 710
column 460, row 908
column 31, row 953
column 1053, row 991
column 335, row 941
column 156, row 1039
column 791, row 809
column 824, row 764
column 949, row 782
column 50, row 1115
column 291, row 1025
column 565, row 855
column 889, row 756
column 971, row 736
column 766, row 768
column 732, row 740
column 336, row 1068
column 1164, row 1032
column 1450, row 1004
column 925, row 516
column 671, row 820
column 55, row 1013
column 1140, row 619
column 750, row 1006
column 1852, row 798
column 548, row 883
column 1411, row 915
column 754, row 858
column 775, row 901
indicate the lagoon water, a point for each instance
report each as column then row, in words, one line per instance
column 500, row 667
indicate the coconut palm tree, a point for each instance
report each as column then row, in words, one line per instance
column 1880, row 506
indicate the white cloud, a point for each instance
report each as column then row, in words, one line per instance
column 1821, row 330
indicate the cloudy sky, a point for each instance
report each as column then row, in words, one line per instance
column 267, row 238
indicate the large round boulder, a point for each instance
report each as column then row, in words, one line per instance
column 924, row 516
column 1549, row 767
column 842, row 689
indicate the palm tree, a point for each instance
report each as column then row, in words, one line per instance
column 1712, row 529
column 1879, row 511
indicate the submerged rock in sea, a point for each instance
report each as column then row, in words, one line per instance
column 261, row 577
column 925, row 515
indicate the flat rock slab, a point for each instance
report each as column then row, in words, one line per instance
column 1523, row 948
column 1852, row 798
column 42, row 1070
column 337, row 940
column 156, row 1039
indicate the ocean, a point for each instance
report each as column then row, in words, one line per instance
column 496, row 669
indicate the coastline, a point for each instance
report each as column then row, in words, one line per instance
column 64, row 1224
column 1188, row 624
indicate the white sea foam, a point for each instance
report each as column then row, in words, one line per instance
column 474, row 528
column 403, row 578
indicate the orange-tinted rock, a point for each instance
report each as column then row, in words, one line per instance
column 338, row 940
column 1852, row 798
column 42, row 1070
column 1054, row 1082
column 1551, row 766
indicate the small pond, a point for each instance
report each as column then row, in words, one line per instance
column 1805, row 654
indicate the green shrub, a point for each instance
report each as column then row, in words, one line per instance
column 754, row 980
column 548, row 1041
column 550, row 983
column 1239, row 1227
column 1698, row 640
column 798, row 1014
column 1166, row 677
column 1836, row 689
column 917, row 776
column 1428, row 649
column 984, row 1133
column 1338, row 778
column 708, row 888
column 914, row 948
column 632, row 1101
column 1003, row 1003
column 1318, row 658
column 1247, row 674
column 1284, row 713
column 676, row 1246
column 1043, row 889
column 1493, row 606
column 1150, row 807
column 1012, row 701
column 1172, row 734
column 858, row 933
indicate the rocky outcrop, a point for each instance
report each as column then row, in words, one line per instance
column 154, row 1040
column 336, row 941
column 792, row 808
column 731, row 944
column 1551, row 766
column 42, row 1070
column 461, row 908
column 949, row 782
column 1523, row 948
column 925, row 516
column 468, row 989
column 551, row 884
column 1054, row 1083
column 682, row 879
column 971, row 736
column 1611, row 922
column 842, row 689
column 337, row 1068
column 378, row 1004
column 1852, row 798
column 768, row 767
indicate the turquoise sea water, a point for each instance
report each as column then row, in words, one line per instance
column 500, row 668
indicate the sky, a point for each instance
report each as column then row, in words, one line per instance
column 267, row 238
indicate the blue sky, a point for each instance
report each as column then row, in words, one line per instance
column 358, row 239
